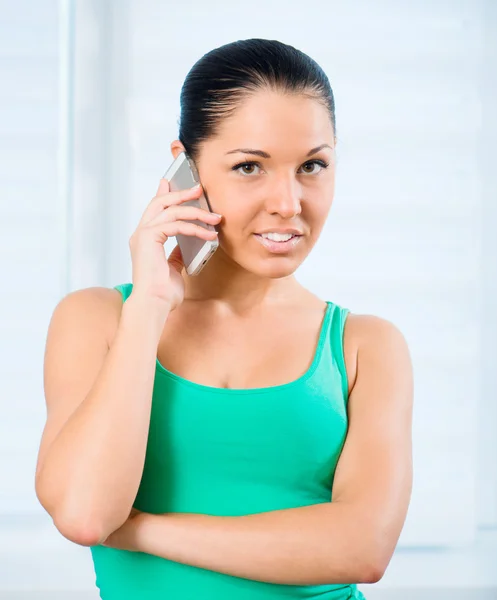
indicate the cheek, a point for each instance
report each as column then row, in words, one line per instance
column 317, row 208
column 238, row 215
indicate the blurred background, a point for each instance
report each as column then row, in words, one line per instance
column 89, row 104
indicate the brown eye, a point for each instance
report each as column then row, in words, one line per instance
column 247, row 168
column 312, row 163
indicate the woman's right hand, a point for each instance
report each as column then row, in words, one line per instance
column 155, row 276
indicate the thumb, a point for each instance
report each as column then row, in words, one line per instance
column 175, row 259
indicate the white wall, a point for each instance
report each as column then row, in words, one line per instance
column 90, row 102
column 31, row 232
column 487, row 414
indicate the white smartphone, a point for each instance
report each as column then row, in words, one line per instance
column 183, row 174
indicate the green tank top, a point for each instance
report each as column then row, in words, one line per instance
column 233, row 452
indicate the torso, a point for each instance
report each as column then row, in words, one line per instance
column 273, row 347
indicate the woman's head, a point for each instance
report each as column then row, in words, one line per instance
column 266, row 96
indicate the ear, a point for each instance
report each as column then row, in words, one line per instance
column 176, row 148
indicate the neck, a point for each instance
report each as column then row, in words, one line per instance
column 226, row 284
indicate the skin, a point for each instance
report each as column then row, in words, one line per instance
column 244, row 288
column 281, row 192
column 352, row 538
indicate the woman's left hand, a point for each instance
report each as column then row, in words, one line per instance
column 125, row 538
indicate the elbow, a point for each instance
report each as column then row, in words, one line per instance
column 78, row 524
column 377, row 549
column 372, row 574
column 86, row 529
column 80, row 531
column 373, row 568
column 76, row 529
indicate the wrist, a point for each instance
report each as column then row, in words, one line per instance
column 143, row 538
column 146, row 311
column 149, row 303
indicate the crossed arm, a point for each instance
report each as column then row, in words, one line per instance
column 348, row 540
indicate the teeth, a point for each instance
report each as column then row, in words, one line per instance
column 277, row 237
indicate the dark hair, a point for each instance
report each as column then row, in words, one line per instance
column 220, row 80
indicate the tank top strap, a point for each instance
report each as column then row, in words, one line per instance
column 332, row 350
column 125, row 289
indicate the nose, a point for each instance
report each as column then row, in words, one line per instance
column 284, row 198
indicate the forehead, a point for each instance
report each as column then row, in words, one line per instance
column 270, row 120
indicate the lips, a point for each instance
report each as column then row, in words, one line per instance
column 278, row 247
column 292, row 231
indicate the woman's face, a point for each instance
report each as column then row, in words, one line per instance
column 278, row 186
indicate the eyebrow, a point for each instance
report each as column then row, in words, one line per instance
column 266, row 155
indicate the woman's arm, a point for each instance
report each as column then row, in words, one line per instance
column 98, row 399
column 349, row 540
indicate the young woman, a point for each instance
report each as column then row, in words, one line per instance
column 231, row 435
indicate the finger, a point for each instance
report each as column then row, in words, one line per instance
column 163, row 231
column 163, row 187
column 175, row 259
column 164, row 200
column 185, row 213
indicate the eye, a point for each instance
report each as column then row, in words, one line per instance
column 243, row 165
column 249, row 164
column 320, row 163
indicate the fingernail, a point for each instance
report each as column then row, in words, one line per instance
column 217, row 215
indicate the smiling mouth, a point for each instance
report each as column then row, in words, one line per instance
column 278, row 247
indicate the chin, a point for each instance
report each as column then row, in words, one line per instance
column 272, row 268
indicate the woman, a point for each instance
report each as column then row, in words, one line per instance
column 231, row 435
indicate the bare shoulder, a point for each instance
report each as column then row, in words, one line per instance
column 369, row 328
column 92, row 297
column 99, row 307
column 81, row 328
column 370, row 336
